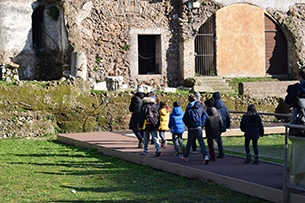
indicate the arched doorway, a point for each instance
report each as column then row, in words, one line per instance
column 240, row 41
column 47, row 42
column 205, row 60
column 276, row 49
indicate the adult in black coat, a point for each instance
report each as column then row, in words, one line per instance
column 292, row 92
column 225, row 116
column 252, row 126
column 135, row 108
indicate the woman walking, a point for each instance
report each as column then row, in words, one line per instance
column 251, row 124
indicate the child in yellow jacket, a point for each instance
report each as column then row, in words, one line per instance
column 164, row 112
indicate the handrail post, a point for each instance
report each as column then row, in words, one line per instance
column 286, row 169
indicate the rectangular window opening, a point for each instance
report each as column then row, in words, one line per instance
column 149, row 54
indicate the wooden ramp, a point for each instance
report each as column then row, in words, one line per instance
column 264, row 180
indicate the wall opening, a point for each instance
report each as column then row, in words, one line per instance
column 276, row 49
column 149, row 54
column 47, row 39
column 37, row 27
column 205, row 61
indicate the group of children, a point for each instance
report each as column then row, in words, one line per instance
column 151, row 118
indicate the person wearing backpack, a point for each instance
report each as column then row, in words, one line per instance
column 149, row 120
column 225, row 116
column 194, row 118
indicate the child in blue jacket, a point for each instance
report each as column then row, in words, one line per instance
column 176, row 126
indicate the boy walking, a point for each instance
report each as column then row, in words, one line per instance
column 194, row 119
column 213, row 126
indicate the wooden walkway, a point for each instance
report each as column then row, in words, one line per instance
column 264, row 180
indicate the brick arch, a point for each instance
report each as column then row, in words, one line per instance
column 276, row 49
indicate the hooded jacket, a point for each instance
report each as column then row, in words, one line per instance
column 213, row 123
column 148, row 101
column 176, row 124
column 251, row 124
column 222, row 110
column 199, row 108
column 135, row 108
column 164, row 118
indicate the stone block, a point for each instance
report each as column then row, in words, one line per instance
column 170, row 89
column 100, row 86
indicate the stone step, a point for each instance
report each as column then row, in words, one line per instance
column 213, row 84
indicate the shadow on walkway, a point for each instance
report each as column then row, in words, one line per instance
column 264, row 180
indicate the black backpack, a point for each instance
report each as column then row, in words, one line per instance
column 151, row 117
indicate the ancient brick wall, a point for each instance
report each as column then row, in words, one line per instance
column 261, row 90
column 105, row 36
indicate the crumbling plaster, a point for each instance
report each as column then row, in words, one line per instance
column 15, row 27
column 101, row 29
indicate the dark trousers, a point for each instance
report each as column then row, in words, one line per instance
column 194, row 146
column 191, row 136
column 138, row 134
column 211, row 147
column 219, row 144
column 254, row 145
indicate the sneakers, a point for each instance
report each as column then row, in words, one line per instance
column 163, row 145
column 157, row 153
column 220, row 156
column 212, row 159
column 183, row 158
column 193, row 152
column 144, row 153
column 206, row 160
column 247, row 161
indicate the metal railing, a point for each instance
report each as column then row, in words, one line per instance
column 266, row 117
column 287, row 186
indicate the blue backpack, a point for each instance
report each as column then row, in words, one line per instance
column 194, row 118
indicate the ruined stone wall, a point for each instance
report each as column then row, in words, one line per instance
column 102, row 30
column 288, row 15
column 292, row 23
column 105, row 35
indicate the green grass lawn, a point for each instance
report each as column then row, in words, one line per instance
column 271, row 147
column 46, row 171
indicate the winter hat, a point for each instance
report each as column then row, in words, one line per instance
column 209, row 102
column 216, row 95
column 197, row 94
column 152, row 94
column 140, row 89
